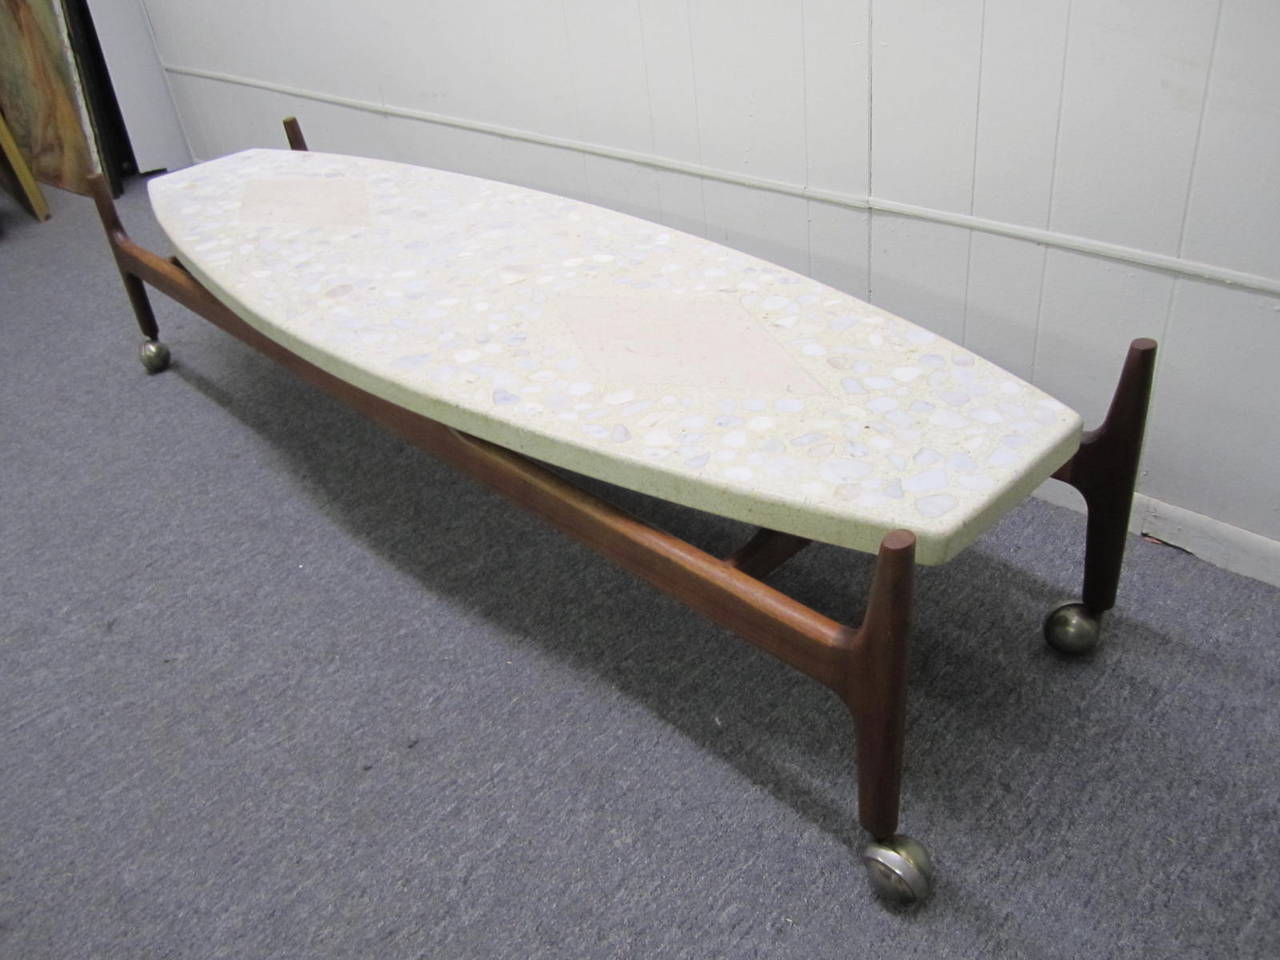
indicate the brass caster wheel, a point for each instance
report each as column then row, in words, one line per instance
column 899, row 869
column 1072, row 630
column 154, row 356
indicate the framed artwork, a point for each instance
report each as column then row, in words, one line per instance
column 16, row 176
column 41, row 96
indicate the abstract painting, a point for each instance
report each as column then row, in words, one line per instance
column 40, row 94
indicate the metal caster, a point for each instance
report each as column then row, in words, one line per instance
column 1072, row 630
column 154, row 356
column 899, row 869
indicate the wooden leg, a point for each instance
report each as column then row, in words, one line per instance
column 876, row 691
column 1105, row 471
column 133, row 286
column 293, row 131
column 154, row 354
column 765, row 552
column 141, row 306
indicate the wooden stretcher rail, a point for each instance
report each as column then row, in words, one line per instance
column 812, row 643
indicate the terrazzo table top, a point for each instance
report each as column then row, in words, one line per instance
column 617, row 348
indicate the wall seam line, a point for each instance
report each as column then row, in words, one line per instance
column 871, row 126
column 697, row 111
column 973, row 172
column 1195, row 149
column 1053, row 183
column 804, row 119
column 571, row 69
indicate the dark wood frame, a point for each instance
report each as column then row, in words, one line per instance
column 865, row 666
column 1105, row 471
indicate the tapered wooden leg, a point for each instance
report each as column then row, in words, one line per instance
column 765, row 552
column 141, row 306
column 876, row 692
column 293, row 132
column 154, row 354
column 1105, row 471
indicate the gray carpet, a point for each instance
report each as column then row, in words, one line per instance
column 273, row 685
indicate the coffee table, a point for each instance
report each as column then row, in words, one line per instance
column 504, row 329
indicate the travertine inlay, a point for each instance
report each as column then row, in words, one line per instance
column 642, row 337
column 341, row 202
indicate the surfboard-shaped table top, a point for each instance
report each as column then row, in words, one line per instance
column 617, row 348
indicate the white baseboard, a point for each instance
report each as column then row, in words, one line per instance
column 1219, row 543
column 1213, row 541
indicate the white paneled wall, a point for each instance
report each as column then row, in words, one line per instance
column 1132, row 91
column 1233, row 211
column 1040, row 179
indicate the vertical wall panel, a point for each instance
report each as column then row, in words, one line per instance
column 768, row 225
column 682, row 202
column 1003, row 302
column 625, row 186
column 836, row 94
column 668, row 61
column 838, row 247
column 1092, row 309
column 1215, row 438
column 673, row 106
column 606, row 54
column 346, row 57
column 542, row 167
column 925, row 62
column 612, row 98
column 919, row 270
column 749, row 72
column 925, row 96
column 837, row 126
column 1133, row 85
column 1020, row 93
column 1234, row 214
column 200, row 122
column 496, row 61
column 226, row 36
